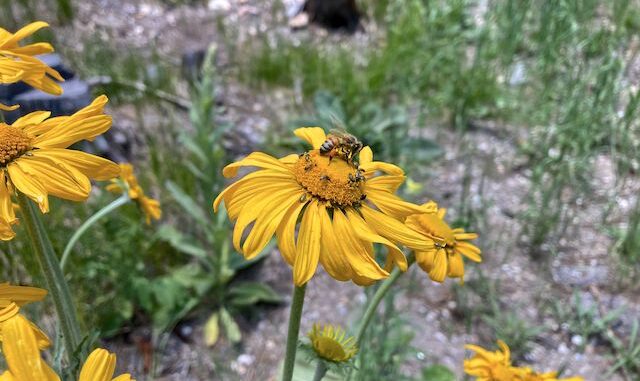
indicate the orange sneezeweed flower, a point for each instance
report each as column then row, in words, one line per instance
column 150, row 207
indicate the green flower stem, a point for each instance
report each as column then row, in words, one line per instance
column 294, row 329
column 377, row 298
column 88, row 223
column 50, row 267
column 321, row 370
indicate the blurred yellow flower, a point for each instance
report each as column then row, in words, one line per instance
column 149, row 206
column 17, row 63
column 100, row 366
column 490, row 366
column 332, row 344
column 21, row 345
column 35, row 161
column 334, row 201
column 445, row 258
column 527, row 374
column 496, row 366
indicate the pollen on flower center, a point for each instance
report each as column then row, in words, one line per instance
column 334, row 180
column 13, row 143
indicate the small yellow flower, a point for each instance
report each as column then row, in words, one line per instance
column 149, row 206
column 527, row 374
column 35, row 161
column 100, row 366
column 331, row 343
column 445, row 258
column 21, row 345
column 17, row 63
column 490, row 366
column 342, row 210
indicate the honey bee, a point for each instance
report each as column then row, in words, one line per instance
column 342, row 144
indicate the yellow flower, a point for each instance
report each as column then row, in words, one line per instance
column 35, row 161
column 445, row 258
column 100, row 366
column 527, row 374
column 334, row 201
column 21, row 345
column 490, row 366
column 17, row 63
column 149, row 206
column 331, row 343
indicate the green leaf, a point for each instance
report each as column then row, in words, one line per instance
column 438, row 373
column 248, row 294
column 180, row 241
column 230, row 326
column 187, row 203
column 212, row 330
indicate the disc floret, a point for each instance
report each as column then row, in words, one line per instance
column 333, row 180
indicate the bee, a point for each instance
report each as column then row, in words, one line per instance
column 342, row 144
column 357, row 178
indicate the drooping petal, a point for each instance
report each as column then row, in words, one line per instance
column 440, row 266
column 312, row 135
column 331, row 257
column 93, row 166
column 7, row 212
column 30, row 185
column 469, row 251
column 57, row 180
column 99, row 366
column 286, row 233
column 267, row 223
column 391, row 204
column 395, row 255
column 20, row 349
column 351, row 248
column 395, row 230
column 308, row 245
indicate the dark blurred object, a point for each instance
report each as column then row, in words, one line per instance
column 334, row 14
column 10, row 91
column 191, row 64
column 75, row 93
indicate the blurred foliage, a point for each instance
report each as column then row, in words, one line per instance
column 478, row 302
column 388, row 345
column 15, row 12
column 585, row 320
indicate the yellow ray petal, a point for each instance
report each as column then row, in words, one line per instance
column 267, row 223
column 361, row 262
column 395, row 255
column 255, row 159
column 21, row 295
column 286, row 233
column 394, row 230
column 308, row 245
column 312, row 135
column 57, row 180
column 92, row 166
column 29, row 185
column 331, row 256
column 99, row 366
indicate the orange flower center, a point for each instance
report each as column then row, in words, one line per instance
column 336, row 181
column 13, row 143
